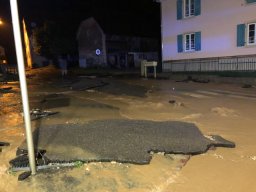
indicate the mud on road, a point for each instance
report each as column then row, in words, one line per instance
column 222, row 109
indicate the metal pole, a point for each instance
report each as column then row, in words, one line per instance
column 23, row 84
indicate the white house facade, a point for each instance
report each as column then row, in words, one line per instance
column 207, row 35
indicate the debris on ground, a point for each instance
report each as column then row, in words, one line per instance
column 175, row 103
column 21, row 160
column 24, row 175
column 172, row 101
column 5, row 89
column 191, row 79
column 38, row 113
column 246, row 86
column 3, row 144
column 30, row 76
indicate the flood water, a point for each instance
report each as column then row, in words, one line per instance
column 222, row 109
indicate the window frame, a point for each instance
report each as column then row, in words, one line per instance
column 248, row 34
column 249, row 3
column 190, row 13
column 191, row 42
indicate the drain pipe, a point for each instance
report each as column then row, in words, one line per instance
column 23, row 84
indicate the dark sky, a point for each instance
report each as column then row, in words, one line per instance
column 130, row 17
column 139, row 17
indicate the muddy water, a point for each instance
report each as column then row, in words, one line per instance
column 232, row 116
column 222, row 109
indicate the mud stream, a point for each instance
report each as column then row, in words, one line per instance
column 223, row 109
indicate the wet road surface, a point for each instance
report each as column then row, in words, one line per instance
column 215, row 108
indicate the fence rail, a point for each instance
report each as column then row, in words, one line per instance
column 9, row 69
column 236, row 63
column 8, row 73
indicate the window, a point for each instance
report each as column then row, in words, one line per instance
column 250, row 1
column 246, row 34
column 251, row 34
column 189, row 42
column 188, row 8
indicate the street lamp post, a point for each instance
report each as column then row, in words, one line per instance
column 23, row 84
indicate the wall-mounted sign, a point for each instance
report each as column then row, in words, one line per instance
column 98, row 52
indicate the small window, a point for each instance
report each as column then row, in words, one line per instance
column 251, row 34
column 189, row 42
column 189, row 8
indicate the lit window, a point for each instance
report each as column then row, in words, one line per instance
column 251, row 34
column 189, row 42
column 189, row 8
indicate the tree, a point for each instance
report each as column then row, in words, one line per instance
column 54, row 39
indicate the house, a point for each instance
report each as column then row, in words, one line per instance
column 206, row 35
column 91, row 43
column 98, row 47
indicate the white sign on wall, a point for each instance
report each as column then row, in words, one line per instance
column 98, row 52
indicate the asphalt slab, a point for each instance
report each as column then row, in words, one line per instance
column 126, row 141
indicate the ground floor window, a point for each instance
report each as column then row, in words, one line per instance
column 251, row 34
column 189, row 42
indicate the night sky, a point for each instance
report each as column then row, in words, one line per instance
column 131, row 17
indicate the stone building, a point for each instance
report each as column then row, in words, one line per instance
column 98, row 47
